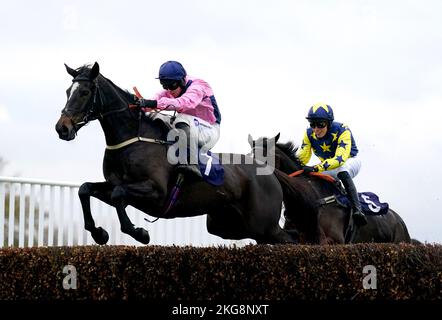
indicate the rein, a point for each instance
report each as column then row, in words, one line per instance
column 136, row 139
column 95, row 113
column 325, row 177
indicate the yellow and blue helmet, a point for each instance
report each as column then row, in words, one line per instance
column 320, row 111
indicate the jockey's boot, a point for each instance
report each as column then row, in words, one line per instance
column 358, row 217
column 189, row 168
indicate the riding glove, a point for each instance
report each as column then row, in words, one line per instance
column 308, row 169
column 145, row 103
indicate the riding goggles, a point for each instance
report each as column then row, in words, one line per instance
column 169, row 84
column 318, row 124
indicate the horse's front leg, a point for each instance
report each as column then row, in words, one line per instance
column 125, row 194
column 103, row 192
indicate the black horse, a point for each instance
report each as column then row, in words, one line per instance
column 315, row 222
column 137, row 171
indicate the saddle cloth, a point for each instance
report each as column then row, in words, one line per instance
column 211, row 169
column 370, row 203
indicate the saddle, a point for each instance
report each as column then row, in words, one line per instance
column 370, row 203
column 164, row 118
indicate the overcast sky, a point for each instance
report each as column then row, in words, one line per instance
column 377, row 63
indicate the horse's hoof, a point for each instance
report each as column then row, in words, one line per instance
column 100, row 235
column 141, row 235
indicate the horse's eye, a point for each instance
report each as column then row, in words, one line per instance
column 84, row 93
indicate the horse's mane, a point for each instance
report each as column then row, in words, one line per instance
column 129, row 96
column 289, row 149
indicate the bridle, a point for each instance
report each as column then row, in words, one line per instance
column 95, row 112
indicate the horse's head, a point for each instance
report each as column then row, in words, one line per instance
column 81, row 106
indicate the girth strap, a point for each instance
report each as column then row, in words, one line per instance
column 326, row 200
column 136, row 139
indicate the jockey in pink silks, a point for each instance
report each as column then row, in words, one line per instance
column 197, row 111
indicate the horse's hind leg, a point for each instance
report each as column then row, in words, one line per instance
column 101, row 191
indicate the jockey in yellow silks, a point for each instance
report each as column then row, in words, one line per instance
column 333, row 143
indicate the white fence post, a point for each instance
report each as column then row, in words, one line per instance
column 41, row 214
column 21, row 221
column 70, row 213
column 31, row 221
column 11, row 222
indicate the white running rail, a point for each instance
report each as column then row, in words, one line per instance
column 48, row 213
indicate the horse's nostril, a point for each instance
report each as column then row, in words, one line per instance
column 64, row 130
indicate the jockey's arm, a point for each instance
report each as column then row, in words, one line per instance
column 188, row 101
column 304, row 153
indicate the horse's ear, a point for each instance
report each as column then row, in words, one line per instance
column 95, row 71
column 71, row 71
column 277, row 137
column 250, row 140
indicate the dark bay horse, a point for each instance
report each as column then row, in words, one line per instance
column 322, row 224
column 137, row 171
